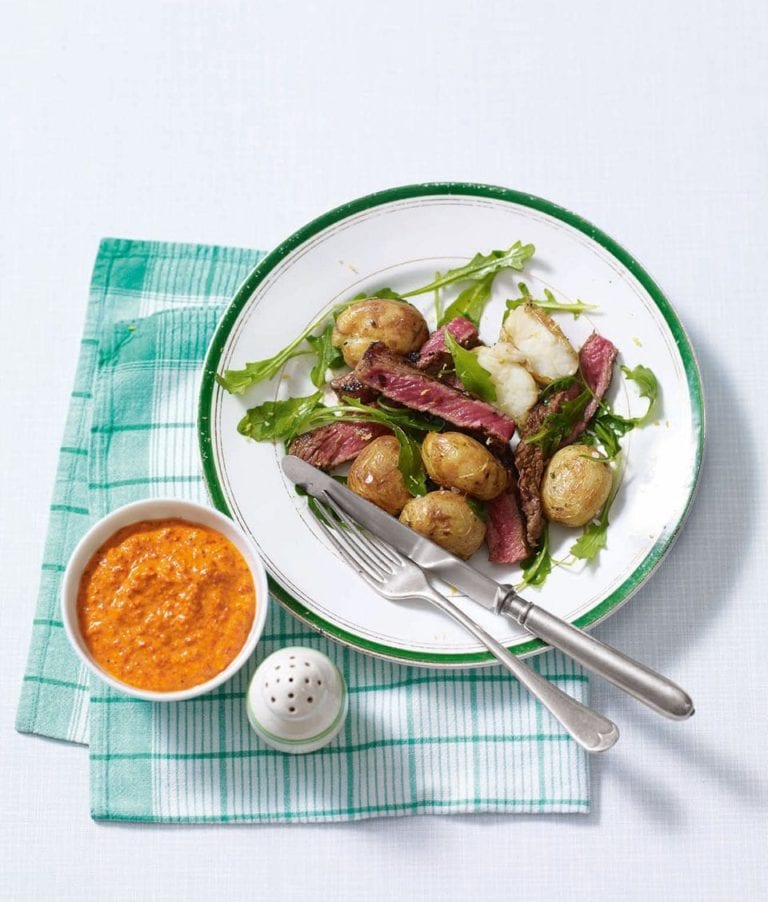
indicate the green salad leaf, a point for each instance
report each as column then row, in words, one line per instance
column 438, row 303
column 480, row 266
column 549, row 303
column 475, row 378
column 557, row 385
column 277, row 420
column 409, row 462
column 537, row 567
column 591, row 541
column 478, row 508
column 384, row 294
column 557, row 426
column 236, row 382
column 470, row 303
column 607, row 429
column 595, row 535
column 393, row 416
column 328, row 357
column 286, row 420
column 647, row 386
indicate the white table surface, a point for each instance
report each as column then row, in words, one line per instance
column 236, row 123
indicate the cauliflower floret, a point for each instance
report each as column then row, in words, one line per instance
column 516, row 390
column 548, row 353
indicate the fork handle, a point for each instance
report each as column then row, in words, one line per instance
column 591, row 730
column 652, row 689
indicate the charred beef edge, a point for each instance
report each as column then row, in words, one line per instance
column 379, row 358
column 530, row 459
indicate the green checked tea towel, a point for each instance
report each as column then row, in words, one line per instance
column 416, row 740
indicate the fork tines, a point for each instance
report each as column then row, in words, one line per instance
column 374, row 561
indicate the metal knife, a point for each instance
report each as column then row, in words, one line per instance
column 644, row 684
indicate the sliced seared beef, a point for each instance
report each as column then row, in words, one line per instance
column 506, row 533
column 398, row 380
column 531, row 461
column 596, row 359
column 451, row 379
column 349, row 386
column 434, row 354
column 336, row 443
column 503, row 452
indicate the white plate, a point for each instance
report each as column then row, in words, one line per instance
column 400, row 238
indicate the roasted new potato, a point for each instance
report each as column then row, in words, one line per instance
column 575, row 486
column 516, row 389
column 454, row 460
column 447, row 519
column 397, row 324
column 374, row 475
column 548, row 353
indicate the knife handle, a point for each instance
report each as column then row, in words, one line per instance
column 644, row 684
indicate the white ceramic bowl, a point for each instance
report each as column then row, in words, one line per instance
column 159, row 509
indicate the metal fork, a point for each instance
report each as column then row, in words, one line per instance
column 398, row 578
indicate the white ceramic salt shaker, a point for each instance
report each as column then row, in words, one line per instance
column 297, row 700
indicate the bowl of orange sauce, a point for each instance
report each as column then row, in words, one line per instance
column 164, row 599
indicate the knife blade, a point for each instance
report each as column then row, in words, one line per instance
column 641, row 682
column 425, row 553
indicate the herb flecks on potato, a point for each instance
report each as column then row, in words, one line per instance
column 375, row 475
column 576, row 484
column 454, row 460
column 448, row 520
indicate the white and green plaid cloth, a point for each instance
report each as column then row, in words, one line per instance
column 416, row 740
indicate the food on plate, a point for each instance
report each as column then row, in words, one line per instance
column 447, row 519
column 375, row 475
column 397, row 324
column 164, row 605
column 336, row 443
column 548, row 353
column 505, row 533
column 399, row 381
column 434, row 354
column 452, row 431
column 596, row 359
column 576, row 485
column 549, row 302
column 457, row 461
column 530, row 461
column 347, row 385
column 516, row 389
column 561, row 416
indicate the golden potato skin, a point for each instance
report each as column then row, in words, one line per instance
column 454, row 460
column 575, row 487
column 375, row 476
column 396, row 323
column 446, row 519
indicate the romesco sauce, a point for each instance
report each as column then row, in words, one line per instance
column 165, row 605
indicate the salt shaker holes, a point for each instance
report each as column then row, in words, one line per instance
column 294, row 713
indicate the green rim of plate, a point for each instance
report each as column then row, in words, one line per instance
column 609, row 604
